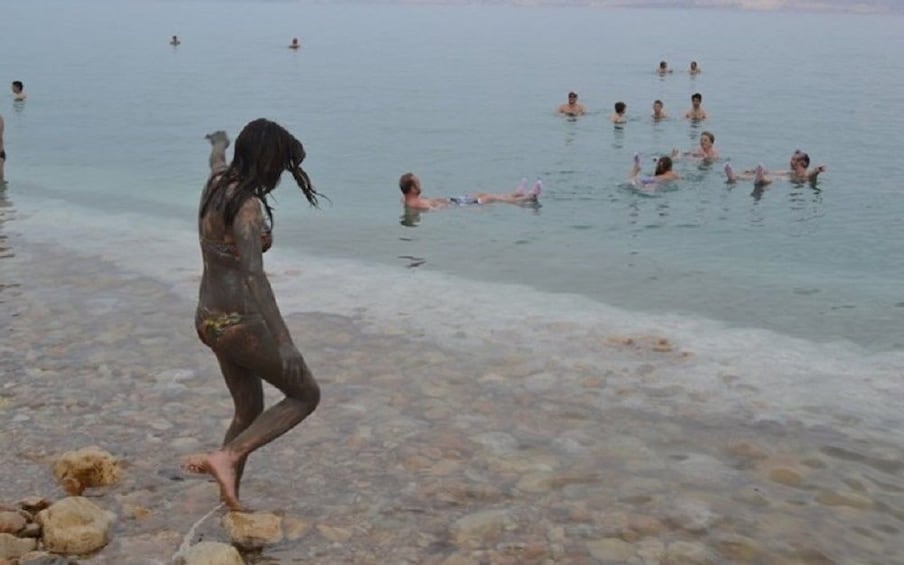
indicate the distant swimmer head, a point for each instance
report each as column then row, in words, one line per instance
column 410, row 184
column 663, row 66
column 801, row 158
column 294, row 44
column 620, row 108
column 707, row 139
column 694, row 65
column 663, row 165
column 175, row 40
column 18, row 87
column 696, row 99
column 572, row 96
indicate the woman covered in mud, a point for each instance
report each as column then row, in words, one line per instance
column 237, row 315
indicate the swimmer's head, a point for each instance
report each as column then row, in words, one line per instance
column 410, row 184
column 707, row 139
column 663, row 65
column 696, row 99
column 620, row 108
column 801, row 158
column 18, row 86
column 663, row 165
column 572, row 96
column 657, row 106
column 693, row 65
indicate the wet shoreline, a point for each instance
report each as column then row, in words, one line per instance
column 419, row 453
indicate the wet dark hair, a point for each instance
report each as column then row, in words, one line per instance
column 572, row 94
column 18, row 84
column 620, row 107
column 263, row 150
column 658, row 102
column 803, row 158
column 663, row 165
column 406, row 182
column 663, row 64
column 697, row 96
column 710, row 135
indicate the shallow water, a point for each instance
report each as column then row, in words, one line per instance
column 419, row 452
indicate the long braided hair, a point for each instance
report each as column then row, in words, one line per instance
column 263, row 150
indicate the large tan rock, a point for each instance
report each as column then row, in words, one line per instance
column 251, row 530
column 12, row 547
column 85, row 468
column 75, row 526
column 210, row 553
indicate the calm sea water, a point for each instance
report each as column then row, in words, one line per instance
column 112, row 138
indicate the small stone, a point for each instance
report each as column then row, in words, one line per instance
column 42, row 558
column 481, row 525
column 687, row 553
column 738, row 549
column 651, row 550
column 12, row 547
column 252, row 530
column 85, row 468
column 295, row 528
column 848, row 499
column 75, row 526
column 12, row 523
column 333, row 533
column 611, row 549
column 210, row 552
column 787, row 477
column 33, row 504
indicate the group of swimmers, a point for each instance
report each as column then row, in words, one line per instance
column 294, row 44
column 573, row 108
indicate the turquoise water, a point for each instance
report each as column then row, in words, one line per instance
column 111, row 139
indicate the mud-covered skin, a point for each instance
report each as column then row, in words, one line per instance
column 238, row 318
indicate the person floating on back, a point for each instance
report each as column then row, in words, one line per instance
column 799, row 171
column 410, row 185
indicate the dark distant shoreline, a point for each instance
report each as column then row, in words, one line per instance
column 812, row 6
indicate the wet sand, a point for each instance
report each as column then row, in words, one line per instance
column 422, row 453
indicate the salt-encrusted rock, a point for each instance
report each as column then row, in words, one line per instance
column 252, row 530
column 210, row 553
column 85, row 468
column 12, row 547
column 75, row 526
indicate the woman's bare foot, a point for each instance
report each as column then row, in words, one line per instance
column 221, row 465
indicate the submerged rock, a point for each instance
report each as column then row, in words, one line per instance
column 210, row 553
column 253, row 530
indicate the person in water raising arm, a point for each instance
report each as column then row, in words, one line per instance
column 410, row 185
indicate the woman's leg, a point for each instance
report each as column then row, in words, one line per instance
column 248, row 351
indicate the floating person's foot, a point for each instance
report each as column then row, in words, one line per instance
column 729, row 172
column 218, row 136
column 537, row 189
column 636, row 159
column 759, row 174
column 521, row 186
